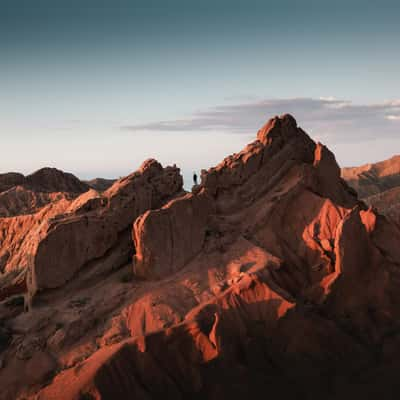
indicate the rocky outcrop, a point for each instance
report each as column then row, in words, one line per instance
column 70, row 232
column 280, row 172
column 72, row 241
column 19, row 234
column 283, row 194
column 168, row 238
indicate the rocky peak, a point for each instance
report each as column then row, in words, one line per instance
column 150, row 167
column 284, row 126
column 282, row 163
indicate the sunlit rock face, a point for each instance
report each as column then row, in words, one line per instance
column 45, row 248
column 27, row 204
column 87, row 234
column 270, row 278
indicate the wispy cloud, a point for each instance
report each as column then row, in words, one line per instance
column 326, row 118
column 393, row 117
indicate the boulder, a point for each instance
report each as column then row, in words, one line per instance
column 167, row 239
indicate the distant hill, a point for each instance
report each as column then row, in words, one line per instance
column 44, row 180
column 370, row 179
column 100, row 184
column 378, row 185
column 21, row 194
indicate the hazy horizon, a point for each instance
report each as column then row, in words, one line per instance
column 96, row 89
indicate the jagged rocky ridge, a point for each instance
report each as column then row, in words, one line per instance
column 270, row 277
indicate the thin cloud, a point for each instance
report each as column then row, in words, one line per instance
column 393, row 117
column 326, row 118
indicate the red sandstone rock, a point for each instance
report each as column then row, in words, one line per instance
column 168, row 238
column 73, row 240
column 271, row 277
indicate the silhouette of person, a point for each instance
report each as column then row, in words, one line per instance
column 195, row 178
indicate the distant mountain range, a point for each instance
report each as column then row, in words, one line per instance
column 378, row 185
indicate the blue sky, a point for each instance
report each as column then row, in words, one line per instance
column 95, row 87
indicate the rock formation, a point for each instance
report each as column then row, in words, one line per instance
column 378, row 185
column 97, row 225
column 26, row 206
column 168, row 238
column 270, row 277
column 370, row 179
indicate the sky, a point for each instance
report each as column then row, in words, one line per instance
column 95, row 87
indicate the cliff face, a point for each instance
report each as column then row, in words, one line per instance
column 270, row 277
column 26, row 206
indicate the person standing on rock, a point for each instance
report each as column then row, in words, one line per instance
column 194, row 178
